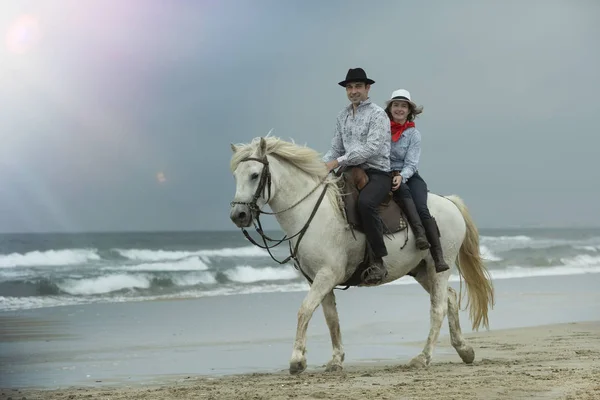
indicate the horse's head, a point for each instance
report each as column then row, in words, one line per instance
column 253, row 184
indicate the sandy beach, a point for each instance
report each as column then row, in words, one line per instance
column 544, row 343
column 559, row 361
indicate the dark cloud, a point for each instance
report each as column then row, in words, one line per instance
column 117, row 92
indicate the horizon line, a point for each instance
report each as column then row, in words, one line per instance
column 142, row 231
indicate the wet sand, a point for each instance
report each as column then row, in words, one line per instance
column 546, row 362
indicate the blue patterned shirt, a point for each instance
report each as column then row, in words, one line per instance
column 405, row 153
column 361, row 139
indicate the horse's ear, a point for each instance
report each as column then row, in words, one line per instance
column 233, row 147
column 262, row 147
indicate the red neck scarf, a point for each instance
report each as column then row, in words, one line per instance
column 397, row 129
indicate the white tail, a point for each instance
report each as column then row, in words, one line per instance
column 470, row 265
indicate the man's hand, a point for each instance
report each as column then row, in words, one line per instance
column 396, row 182
column 333, row 164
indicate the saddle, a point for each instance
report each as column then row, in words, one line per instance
column 352, row 182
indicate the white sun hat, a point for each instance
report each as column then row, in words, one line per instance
column 401, row 95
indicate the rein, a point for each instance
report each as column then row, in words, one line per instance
column 265, row 185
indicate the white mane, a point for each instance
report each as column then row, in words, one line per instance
column 304, row 158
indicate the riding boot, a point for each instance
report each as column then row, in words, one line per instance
column 415, row 222
column 375, row 273
column 433, row 234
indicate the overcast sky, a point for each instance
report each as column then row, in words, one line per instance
column 117, row 115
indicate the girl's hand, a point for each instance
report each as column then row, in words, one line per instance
column 396, row 182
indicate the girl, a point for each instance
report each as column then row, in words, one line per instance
column 409, row 189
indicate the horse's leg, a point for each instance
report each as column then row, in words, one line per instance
column 457, row 339
column 466, row 352
column 333, row 322
column 438, row 294
column 321, row 286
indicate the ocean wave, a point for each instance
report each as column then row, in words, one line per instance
column 514, row 239
column 148, row 282
column 526, row 272
column 506, row 241
column 487, row 254
column 49, row 258
column 127, row 282
column 163, row 255
column 16, row 273
column 516, row 272
column 8, row 303
column 594, row 249
column 103, row 284
column 525, row 243
column 248, row 274
column 582, row 260
column 186, row 264
column 194, row 279
column 546, row 257
column 16, row 303
column 163, row 277
column 153, row 259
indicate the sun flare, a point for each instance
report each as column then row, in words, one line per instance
column 23, row 34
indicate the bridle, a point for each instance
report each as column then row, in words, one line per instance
column 265, row 185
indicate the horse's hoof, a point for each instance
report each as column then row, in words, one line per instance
column 419, row 361
column 333, row 366
column 297, row 367
column 467, row 355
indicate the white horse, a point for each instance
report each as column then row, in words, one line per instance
column 293, row 180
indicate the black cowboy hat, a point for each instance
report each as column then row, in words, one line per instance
column 356, row 75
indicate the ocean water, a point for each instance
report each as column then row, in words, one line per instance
column 48, row 270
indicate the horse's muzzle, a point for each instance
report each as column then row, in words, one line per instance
column 241, row 215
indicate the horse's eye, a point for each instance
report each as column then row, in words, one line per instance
column 254, row 176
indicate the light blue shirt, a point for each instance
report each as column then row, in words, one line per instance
column 405, row 153
column 361, row 139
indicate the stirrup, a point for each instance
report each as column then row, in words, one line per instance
column 365, row 275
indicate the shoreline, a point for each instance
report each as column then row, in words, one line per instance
column 556, row 361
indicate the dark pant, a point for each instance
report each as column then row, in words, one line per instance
column 369, row 199
column 416, row 188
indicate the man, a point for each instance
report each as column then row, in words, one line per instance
column 362, row 138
